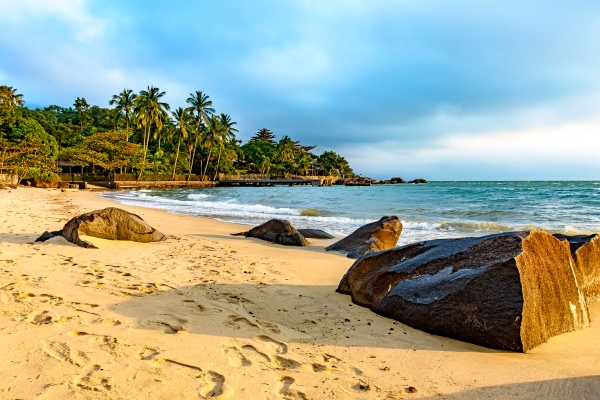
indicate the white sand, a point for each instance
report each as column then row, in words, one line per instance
column 205, row 314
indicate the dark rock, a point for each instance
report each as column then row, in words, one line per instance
column 315, row 234
column 48, row 235
column 278, row 231
column 511, row 291
column 110, row 223
column 376, row 236
column 397, row 180
column 586, row 253
column 418, row 181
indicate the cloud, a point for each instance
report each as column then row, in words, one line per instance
column 351, row 76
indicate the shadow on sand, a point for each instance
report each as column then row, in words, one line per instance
column 296, row 313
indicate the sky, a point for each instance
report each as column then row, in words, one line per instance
column 441, row 90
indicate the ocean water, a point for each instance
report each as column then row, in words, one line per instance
column 429, row 211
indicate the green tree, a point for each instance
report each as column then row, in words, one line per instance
column 226, row 135
column 83, row 113
column 285, row 149
column 181, row 124
column 124, row 104
column 151, row 111
column 202, row 107
column 108, row 150
column 264, row 135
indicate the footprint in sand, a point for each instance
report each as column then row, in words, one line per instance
column 168, row 323
column 199, row 308
column 62, row 352
column 215, row 386
column 253, row 353
column 163, row 326
column 286, row 362
column 146, row 354
column 277, row 346
column 236, row 322
column 235, row 357
column 38, row 317
column 88, row 380
column 284, row 390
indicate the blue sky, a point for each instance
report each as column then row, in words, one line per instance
column 461, row 90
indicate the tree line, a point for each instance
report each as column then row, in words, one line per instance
column 141, row 134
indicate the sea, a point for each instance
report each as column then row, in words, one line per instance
column 428, row 211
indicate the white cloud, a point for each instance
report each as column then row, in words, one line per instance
column 545, row 152
column 70, row 12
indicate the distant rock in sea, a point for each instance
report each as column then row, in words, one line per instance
column 376, row 236
column 510, row 291
column 397, row 180
column 420, row 180
column 110, row 223
column 586, row 253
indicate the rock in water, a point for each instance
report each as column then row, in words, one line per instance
column 315, row 234
column 278, row 231
column 376, row 236
column 510, row 291
column 586, row 253
column 110, row 223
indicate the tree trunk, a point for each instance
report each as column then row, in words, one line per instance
column 176, row 157
column 192, row 159
column 218, row 163
column 207, row 161
column 146, row 138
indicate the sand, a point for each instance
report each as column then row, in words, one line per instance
column 209, row 315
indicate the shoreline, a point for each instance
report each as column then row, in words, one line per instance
column 209, row 314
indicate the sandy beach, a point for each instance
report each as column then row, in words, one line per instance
column 208, row 315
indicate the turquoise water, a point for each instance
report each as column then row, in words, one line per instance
column 433, row 210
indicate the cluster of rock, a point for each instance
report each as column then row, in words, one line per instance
column 376, row 236
column 110, row 223
column 365, row 181
column 510, row 291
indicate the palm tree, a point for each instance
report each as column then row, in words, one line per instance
column 264, row 165
column 9, row 95
column 286, row 148
column 212, row 135
column 227, row 134
column 181, row 122
column 202, row 106
column 150, row 111
column 124, row 103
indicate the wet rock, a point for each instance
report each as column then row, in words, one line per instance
column 112, row 224
column 510, row 291
column 586, row 253
column 397, row 180
column 315, row 234
column 420, row 180
column 376, row 236
column 278, row 231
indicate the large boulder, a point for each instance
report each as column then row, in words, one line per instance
column 586, row 253
column 420, row 180
column 110, row 223
column 278, row 231
column 315, row 234
column 397, row 179
column 510, row 291
column 376, row 236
